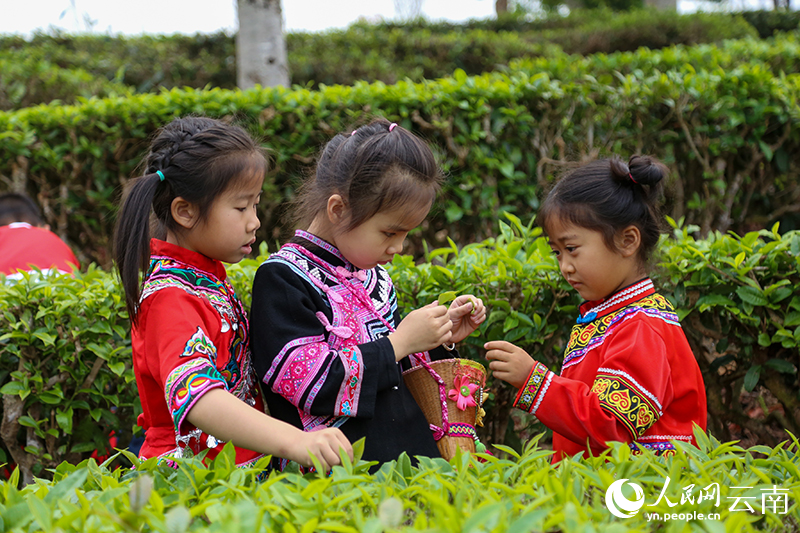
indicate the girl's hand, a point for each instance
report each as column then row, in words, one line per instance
column 467, row 312
column 508, row 362
column 324, row 445
column 421, row 330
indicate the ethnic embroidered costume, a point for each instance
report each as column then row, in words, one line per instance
column 192, row 337
column 628, row 375
column 319, row 328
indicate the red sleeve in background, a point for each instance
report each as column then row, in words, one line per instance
column 23, row 246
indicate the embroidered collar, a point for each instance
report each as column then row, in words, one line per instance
column 625, row 296
column 195, row 260
column 327, row 253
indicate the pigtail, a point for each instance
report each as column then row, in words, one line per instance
column 132, row 238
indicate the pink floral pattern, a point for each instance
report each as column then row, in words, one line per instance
column 463, row 393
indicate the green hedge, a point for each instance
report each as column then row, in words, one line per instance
column 768, row 23
column 69, row 382
column 27, row 82
column 727, row 132
column 382, row 52
column 521, row 493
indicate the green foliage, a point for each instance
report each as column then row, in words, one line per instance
column 724, row 122
column 26, row 82
column 742, row 317
column 768, row 23
column 66, row 377
column 376, row 52
column 363, row 53
column 521, row 493
column 144, row 63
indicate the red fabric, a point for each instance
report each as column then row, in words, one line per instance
column 642, row 366
column 23, row 246
column 169, row 317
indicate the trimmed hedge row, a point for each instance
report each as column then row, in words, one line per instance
column 384, row 52
column 26, row 82
column 521, row 493
column 726, row 133
column 69, row 382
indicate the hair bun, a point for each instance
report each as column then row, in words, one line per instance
column 646, row 170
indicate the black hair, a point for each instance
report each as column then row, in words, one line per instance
column 199, row 158
column 608, row 195
column 377, row 167
column 18, row 207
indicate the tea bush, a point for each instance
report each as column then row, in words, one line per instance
column 522, row 492
column 26, row 82
column 68, row 382
column 725, row 126
column 65, row 368
column 385, row 52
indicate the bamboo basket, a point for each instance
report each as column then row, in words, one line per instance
column 428, row 394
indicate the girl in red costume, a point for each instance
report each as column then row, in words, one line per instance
column 628, row 373
column 191, row 344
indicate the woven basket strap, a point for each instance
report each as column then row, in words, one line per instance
column 460, row 429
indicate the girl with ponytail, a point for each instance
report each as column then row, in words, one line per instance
column 191, row 347
column 628, row 374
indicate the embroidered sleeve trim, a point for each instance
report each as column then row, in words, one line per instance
column 188, row 383
column 284, row 353
column 622, row 400
column 295, row 375
column 298, row 372
column 659, row 449
column 546, row 386
column 350, row 391
column 527, row 393
column 687, row 438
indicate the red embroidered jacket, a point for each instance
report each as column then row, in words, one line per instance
column 192, row 336
column 25, row 246
column 628, row 375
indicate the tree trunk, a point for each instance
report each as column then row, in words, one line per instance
column 260, row 45
column 501, row 6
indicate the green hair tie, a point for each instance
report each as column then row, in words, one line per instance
column 160, row 175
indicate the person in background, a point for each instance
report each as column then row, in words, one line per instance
column 26, row 242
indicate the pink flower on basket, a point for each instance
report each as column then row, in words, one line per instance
column 463, row 392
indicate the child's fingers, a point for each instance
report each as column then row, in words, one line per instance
column 479, row 317
column 437, row 310
column 504, row 375
column 330, row 455
column 504, row 346
column 339, row 442
column 497, row 355
column 498, row 365
column 463, row 299
column 461, row 310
